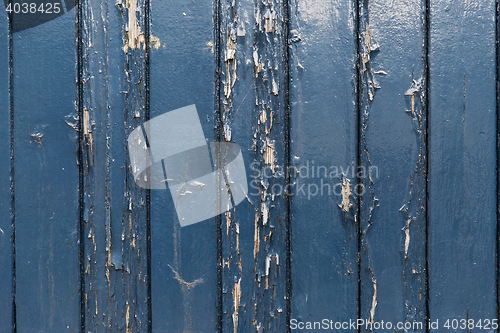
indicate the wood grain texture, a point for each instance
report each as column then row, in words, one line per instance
column 324, row 134
column 252, row 114
column 393, row 162
column 115, row 259
column 462, row 161
column 6, row 220
column 182, row 73
column 385, row 113
column 46, row 183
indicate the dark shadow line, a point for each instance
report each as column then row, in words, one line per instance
column 81, row 185
column 12, row 188
column 288, row 153
column 359, row 123
column 427, row 31
column 147, row 25
column 218, row 119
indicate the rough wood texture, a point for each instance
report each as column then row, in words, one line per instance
column 383, row 114
column 393, row 161
column 115, row 260
column 252, row 114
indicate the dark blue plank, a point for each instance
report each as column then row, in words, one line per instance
column 462, row 162
column 115, row 208
column 324, row 133
column 252, row 114
column 5, row 173
column 393, row 148
column 46, row 184
column 181, row 74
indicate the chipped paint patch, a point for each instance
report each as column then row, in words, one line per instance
column 211, row 46
column 407, row 238
column 346, row 193
column 256, row 236
column 236, row 302
column 133, row 35
column 370, row 45
column 188, row 285
column 374, row 301
column 154, row 42
column 127, row 319
column 269, row 153
column 37, row 134
column 270, row 21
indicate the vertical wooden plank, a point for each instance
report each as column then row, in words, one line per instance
column 183, row 259
column 324, row 135
column 252, row 114
column 462, row 162
column 115, row 208
column 46, row 186
column 5, row 178
column 393, row 164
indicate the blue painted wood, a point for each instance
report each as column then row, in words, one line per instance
column 182, row 73
column 252, row 114
column 393, row 148
column 358, row 95
column 5, row 182
column 115, row 208
column 46, row 183
column 324, row 134
column 462, row 162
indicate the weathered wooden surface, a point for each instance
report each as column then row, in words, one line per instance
column 324, row 134
column 46, row 177
column 381, row 117
column 114, row 218
column 252, row 113
column 463, row 279
column 393, row 151
column 183, row 260
column 5, row 173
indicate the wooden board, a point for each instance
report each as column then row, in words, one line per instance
column 379, row 118
column 6, row 274
column 46, row 178
column 324, row 135
column 462, row 162
column 393, row 149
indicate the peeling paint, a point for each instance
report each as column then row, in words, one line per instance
column 133, row 35
column 269, row 153
column 407, row 238
column 256, row 237
column 346, row 194
column 37, row 134
column 188, row 285
column 154, row 42
column 270, row 20
column 127, row 319
column 211, row 46
column 370, row 45
column 374, row 301
column 236, row 302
